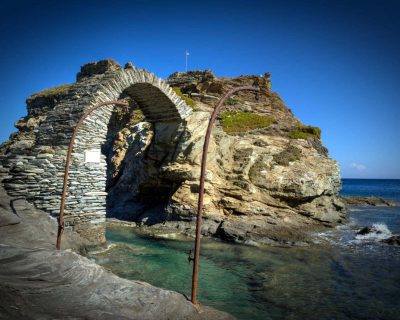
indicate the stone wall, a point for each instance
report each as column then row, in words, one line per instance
column 33, row 166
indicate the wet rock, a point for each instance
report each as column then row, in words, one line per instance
column 376, row 232
column 365, row 230
column 394, row 240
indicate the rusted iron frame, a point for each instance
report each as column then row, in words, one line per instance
column 68, row 162
column 195, row 275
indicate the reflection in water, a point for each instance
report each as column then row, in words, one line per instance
column 340, row 277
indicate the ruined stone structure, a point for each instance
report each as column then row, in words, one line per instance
column 269, row 178
column 34, row 167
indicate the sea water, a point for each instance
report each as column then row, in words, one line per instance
column 340, row 276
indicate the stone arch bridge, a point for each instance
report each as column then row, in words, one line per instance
column 35, row 171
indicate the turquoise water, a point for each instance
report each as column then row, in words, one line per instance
column 339, row 277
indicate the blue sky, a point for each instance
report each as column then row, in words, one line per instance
column 335, row 63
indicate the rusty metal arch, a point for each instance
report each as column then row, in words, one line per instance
column 196, row 262
column 68, row 162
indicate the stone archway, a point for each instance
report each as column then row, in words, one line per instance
column 37, row 173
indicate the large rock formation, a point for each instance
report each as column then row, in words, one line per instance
column 269, row 177
column 271, row 183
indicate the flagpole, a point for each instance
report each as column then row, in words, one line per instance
column 186, row 58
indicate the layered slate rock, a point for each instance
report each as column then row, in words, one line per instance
column 33, row 160
column 39, row 282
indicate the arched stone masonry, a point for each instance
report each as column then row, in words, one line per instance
column 36, row 172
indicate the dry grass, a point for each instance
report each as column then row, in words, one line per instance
column 59, row 90
column 305, row 132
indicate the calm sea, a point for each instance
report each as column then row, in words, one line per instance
column 341, row 276
column 386, row 188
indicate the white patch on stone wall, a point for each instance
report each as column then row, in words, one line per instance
column 92, row 156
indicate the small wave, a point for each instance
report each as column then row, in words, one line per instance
column 102, row 250
column 346, row 235
column 379, row 231
column 356, row 209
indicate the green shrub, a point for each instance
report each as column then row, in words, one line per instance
column 239, row 121
column 189, row 101
column 305, row 132
column 231, row 101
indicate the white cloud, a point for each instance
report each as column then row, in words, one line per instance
column 358, row 166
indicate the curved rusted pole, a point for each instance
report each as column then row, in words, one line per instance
column 68, row 163
column 213, row 117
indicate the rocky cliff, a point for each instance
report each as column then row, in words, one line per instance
column 269, row 177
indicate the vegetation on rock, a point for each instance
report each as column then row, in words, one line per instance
column 59, row 90
column 255, row 172
column 242, row 121
column 124, row 117
column 305, row 132
column 232, row 101
column 189, row 101
column 290, row 154
column 137, row 116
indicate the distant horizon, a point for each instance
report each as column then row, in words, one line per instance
column 370, row 178
column 335, row 64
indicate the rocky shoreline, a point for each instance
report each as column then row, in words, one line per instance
column 38, row 282
column 181, row 229
column 185, row 230
column 381, row 232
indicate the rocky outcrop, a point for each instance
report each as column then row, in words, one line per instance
column 269, row 177
column 250, row 194
column 262, row 185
